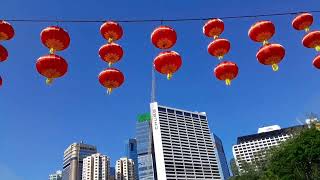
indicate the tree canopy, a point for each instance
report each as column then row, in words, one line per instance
column 295, row 159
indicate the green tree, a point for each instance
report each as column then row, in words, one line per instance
column 295, row 159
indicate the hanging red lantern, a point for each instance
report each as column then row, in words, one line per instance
column 302, row 22
column 0, row 81
column 111, row 31
column 226, row 71
column 219, row 47
column 51, row 66
column 167, row 62
column 261, row 31
column 111, row 53
column 55, row 38
column 312, row 40
column 213, row 28
column 111, row 78
column 3, row 53
column 316, row 62
column 164, row 37
column 6, row 31
column 271, row 54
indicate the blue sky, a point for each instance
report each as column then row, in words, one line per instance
column 38, row 122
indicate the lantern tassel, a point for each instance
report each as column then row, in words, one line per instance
column 265, row 42
column 110, row 40
column 110, row 64
column 169, row 76
column 307, row 29
column 51, row 51
column 275, row 67
column 317, row 48
column 228, row 82
column 220, row 57
column 49, row 81
column 109, row 91
column 215, row 37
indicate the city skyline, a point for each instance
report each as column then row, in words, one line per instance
column 42, row 121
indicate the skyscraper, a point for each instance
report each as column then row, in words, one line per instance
column 125, row 169
column 131, row 149
column 56, row 176
column 222, row 160
column 251, row 148
column 144, row 148
column 183, row 145
column 96, row 167
column 73, row 160
column 112, row 175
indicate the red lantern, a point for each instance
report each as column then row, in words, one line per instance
column 167, row 62
column 6, row 31
column 51, row 66
column 0, row 81
column 164, row 37
column 111, row 53
column 111, row 78
column 55, row 38
column 302, row 22
column 261, row 31
column 271, row 54
column 226, row 71
column 312, row 40
column 111, row 31
column 3, row 53
column 213, row 28
column 219, row 47
column 316, row 62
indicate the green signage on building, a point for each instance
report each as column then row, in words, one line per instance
column 144, row 117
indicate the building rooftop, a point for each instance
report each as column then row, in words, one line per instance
column 272, row 133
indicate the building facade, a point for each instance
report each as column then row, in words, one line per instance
column 252, row 148
column 96, row 167
column 183, row 145
column 56, row 176
column 125, row 169
column 132, row 153
column 73, row 160
column 145, row 164
column 221, row 157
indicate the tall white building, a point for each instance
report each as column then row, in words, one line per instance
column 96, row 167
column 183, row 145
column 251, row 148
column 56, row 176
column 125, row 169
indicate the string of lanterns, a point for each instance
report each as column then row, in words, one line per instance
column 311, row 39
column 168, row 62
column 6, row 33
column 111, row 78
column 225, row 70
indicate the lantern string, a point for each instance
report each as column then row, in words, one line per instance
column 158, row 20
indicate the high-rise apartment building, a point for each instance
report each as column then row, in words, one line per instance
column 183, row 145
column 145, row 164
column 56, row 176
column 73, row 160
column 96, row 167
column 131, row 149
column 252, row 148
column 125, row 169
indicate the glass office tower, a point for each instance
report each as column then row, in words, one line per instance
column 144, row 148
column 132, row 153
